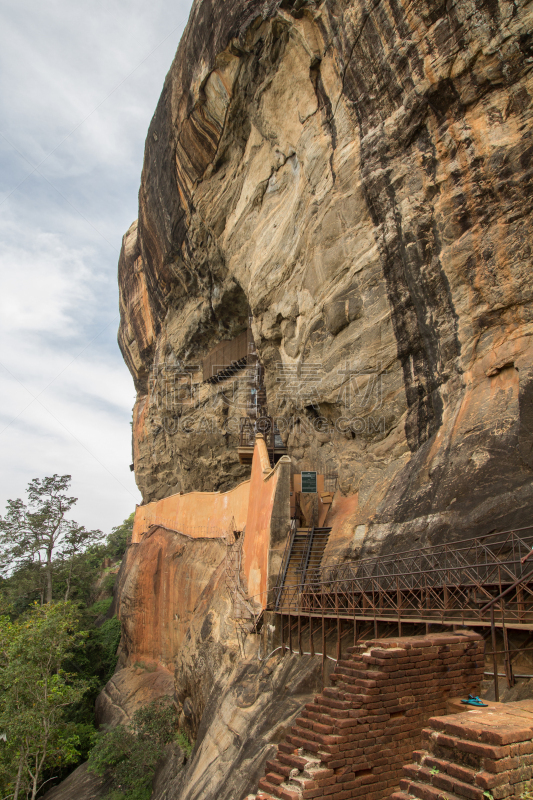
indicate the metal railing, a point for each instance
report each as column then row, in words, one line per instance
column 450, row 583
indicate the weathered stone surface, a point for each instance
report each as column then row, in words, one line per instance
column 129, row 689
column 81, row 784
column 160, row 583
column 158, row 590
column 359, row 175
column 167, row 771
column 247, row 714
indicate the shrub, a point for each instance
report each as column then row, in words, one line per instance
column 129, row 754
column 101, row 606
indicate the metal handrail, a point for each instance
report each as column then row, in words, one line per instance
column 285, row 562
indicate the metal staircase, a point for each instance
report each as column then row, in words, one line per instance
column 302, row 559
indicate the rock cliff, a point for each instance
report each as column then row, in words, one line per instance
column 357, row 176
column 353, row 180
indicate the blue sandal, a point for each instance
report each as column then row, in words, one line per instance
column 474, row 701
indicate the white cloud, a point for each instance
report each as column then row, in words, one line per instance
column 79, row 83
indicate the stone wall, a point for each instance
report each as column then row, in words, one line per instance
column 485, row 752
column 352, row 741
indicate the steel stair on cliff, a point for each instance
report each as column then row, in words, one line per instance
column 302, row 558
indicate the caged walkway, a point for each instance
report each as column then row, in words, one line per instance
column 484, row 582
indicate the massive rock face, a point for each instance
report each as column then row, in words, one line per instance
column 358, row 175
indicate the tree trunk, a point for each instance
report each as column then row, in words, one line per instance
column 19, row 778
column 35, row 777
column 69, row 579
column 49, row 576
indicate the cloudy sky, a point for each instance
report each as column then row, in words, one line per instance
column 79, row 82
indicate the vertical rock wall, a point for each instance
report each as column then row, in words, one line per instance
column 357, row 175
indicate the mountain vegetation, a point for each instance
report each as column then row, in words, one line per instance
column 58, row 635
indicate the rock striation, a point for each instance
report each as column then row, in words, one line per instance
column 357, row 177
column 352, row 181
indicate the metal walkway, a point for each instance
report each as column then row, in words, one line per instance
column 447, row 584
column 485, row 582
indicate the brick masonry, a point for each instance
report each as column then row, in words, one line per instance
column 354, row 739
column 477, row 756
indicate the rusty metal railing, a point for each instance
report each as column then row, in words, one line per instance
column 450, row 583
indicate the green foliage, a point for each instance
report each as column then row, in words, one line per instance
column 107, row 638
column 44, row 556
column 120, row 537
column 101, row 606
column 32, row 533
column 184, row 742
column 527, row 794
column 130, row 754
column 109, row 582
column 35, row 693
column 434, row 771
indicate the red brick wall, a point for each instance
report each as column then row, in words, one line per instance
column 473, row 755
column 354, row 739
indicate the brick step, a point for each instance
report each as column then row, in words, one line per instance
column 340, row 725
column 320, row 708
column 330, row 702
column 349, row 665
column 311, row 737
column 483, row 779
column 330, row 691
column 292, row 761
column 279, row 791
column 442, row 780
column 278, row 768
column 317, row 727
column 275, row 778
column 306, row 744
column 465, row 752
column 366, row 687
column 424, row 791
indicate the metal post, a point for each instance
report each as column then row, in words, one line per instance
column 300, row 651
column 494, row 662
column 282, row 637
column 323, row 648
column 399, row 604
column 311, row 640
column 508, row 665
column 290, row 631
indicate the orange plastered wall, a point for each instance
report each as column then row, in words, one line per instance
column 197, row 514
column 263, row 483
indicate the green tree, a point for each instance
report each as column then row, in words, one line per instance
column 130, row 752
column 30, row 534
column 120, row 537
column 35, row 692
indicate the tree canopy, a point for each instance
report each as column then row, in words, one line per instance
column 35, row 692
column 33, row 533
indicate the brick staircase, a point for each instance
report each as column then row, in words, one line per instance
column 473, row 756
column 354, row 739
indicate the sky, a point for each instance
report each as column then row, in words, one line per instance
column 79, row 83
